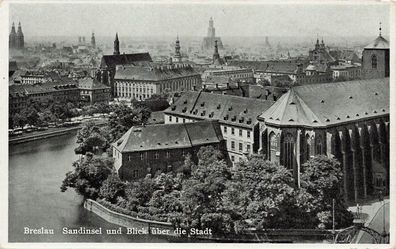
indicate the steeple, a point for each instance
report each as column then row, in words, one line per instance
column 177, row 50
column 322, row 45
column 20, row 41
column 317, row 45
column 116, row 45
column 12, row 37
column 216, row 55
column 93, row 41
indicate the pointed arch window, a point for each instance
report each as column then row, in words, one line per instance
column 319, row 145
column 374, row 61
column 289, row 151
column 274, row 146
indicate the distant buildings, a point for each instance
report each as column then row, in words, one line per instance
column 92, row 91
column 237, row 117
column 140, row 82
column 233, row 73
column 375, row 59
column 149, row 149
column 209, row 41
column 16, row 39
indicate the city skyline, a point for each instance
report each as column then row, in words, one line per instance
column 229, row 19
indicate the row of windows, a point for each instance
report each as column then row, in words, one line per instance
column 240, row 131
column 156, row 155
column 240, row 147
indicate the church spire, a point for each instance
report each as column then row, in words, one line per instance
column 216, row 55
column 116, row 45
column 177, row 50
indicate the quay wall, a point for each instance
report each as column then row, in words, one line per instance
column 125, row 220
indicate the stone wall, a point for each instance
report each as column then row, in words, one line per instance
column 125, row 220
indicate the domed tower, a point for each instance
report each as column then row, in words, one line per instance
column 12, row 41
column 116, row 45
column 20, row 40
column 375, row 58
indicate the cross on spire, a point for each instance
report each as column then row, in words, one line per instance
column 380, row 28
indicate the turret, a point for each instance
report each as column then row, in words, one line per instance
column 116, row 45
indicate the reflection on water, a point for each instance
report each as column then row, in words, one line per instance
column 36, row 171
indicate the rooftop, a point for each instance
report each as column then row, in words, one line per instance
column 233, row 110
column 111, row 61
column 379, row 43
column 169, row 136
column 90, row 83
column 322, row 105
column 154, row 72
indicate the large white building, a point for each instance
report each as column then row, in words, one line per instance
column 143, row 81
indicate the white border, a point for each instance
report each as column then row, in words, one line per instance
column 4, row 28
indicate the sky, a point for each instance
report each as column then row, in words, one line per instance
column 232, row 19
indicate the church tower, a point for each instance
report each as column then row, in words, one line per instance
column 12, row 37
column 20, row 40
column 211, row 29
column 178, row 57
column 375, row 58
column 216, row 55
column 116, row 45
column 93, row 42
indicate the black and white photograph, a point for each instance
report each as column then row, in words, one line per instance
column 197, row 122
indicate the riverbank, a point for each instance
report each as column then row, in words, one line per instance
column 51, row 132
column 42, row 134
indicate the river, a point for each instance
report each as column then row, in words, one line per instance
column 36, row 171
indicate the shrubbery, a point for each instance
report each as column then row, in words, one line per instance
column 257, row 194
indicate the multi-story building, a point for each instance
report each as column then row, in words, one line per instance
column 237, row 117
column 62, row 91
column 143, row 81
column 35, row 77
column 348, row 120
column 93, row 91
column 148, row 149
column 233, row 73
column 346, row 71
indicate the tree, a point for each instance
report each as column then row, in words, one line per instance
column 112, row 188
column 321, row 180
column 261, row 192
column 202, row 193
column 91, row 138
column 139, row 192
column 124, row 117
column 88, row 175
